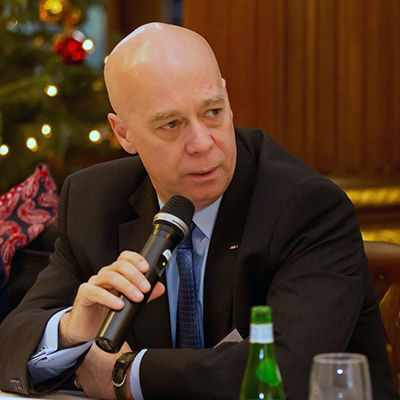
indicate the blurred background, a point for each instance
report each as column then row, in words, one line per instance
column 321, row 76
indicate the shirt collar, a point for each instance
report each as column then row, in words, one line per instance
column 205, row 218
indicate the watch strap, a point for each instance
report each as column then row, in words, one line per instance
column 120, row 373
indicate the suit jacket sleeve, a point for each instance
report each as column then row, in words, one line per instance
column 22, row 330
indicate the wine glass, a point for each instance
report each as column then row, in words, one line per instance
column 340, row 376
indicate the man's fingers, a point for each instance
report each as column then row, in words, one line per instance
column 130, row 271
column 103, row 289
column 136, row 259
column 123, row 277
column 89, row 294
column 158, row 290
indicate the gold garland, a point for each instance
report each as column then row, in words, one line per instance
column 388, row 235
column 374, row 196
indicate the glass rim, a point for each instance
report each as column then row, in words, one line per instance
column 337, row 358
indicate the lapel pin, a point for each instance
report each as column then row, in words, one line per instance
column 233, row 247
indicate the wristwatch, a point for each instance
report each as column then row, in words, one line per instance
column 119, row 373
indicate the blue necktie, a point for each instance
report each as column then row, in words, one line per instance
column 188, row 321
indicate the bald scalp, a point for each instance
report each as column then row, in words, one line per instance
column 154, row 49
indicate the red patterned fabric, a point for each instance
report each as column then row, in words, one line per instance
column 25, row 211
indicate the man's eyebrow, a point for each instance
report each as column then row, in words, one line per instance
column 161, row 116
column 214, row 100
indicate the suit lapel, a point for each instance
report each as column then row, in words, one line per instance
column 133, row 234
column 152, row 326
column 225, row 248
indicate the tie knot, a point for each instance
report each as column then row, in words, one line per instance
column 187, row 241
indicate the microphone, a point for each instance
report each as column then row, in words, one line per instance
column 171, row 225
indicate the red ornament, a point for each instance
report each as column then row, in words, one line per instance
column 70, row 49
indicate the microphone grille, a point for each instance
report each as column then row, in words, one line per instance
column 180, row 207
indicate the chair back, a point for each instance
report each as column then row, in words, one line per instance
column 384, row 262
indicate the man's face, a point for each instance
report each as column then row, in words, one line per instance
column 182, row 129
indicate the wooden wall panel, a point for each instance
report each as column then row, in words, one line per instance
column 322, row 76
column 126, row 15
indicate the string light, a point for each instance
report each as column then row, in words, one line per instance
column 78, row 35
column 46, row 130
column 98, row 85
column 53, row 11
column 95, row 136
column 51, row 90
column 31, row 144
column 4, row 150
column 55, row 7
column 12, row 24
column 88, row 45
column 107, row 135
column 38, row 41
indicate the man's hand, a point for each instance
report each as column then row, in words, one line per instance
column 99, row 294
column 94, row 374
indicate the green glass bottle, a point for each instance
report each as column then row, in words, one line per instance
column 262, row 379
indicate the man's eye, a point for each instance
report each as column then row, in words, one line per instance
column 170, row 125
column 214, row 112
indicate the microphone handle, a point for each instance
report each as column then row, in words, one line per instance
column 117, row 324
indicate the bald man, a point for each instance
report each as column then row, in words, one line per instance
column 268, row 230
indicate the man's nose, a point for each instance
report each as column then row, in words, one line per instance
column 199, row 139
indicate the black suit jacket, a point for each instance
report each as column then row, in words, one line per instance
column 299, row 250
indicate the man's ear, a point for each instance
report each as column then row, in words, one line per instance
column 226, row 91
column 120, row 130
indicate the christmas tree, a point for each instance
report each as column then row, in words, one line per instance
column 53, row 103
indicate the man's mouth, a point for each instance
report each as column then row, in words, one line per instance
column 205, row 173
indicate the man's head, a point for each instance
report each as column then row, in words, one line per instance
column 172, row 109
